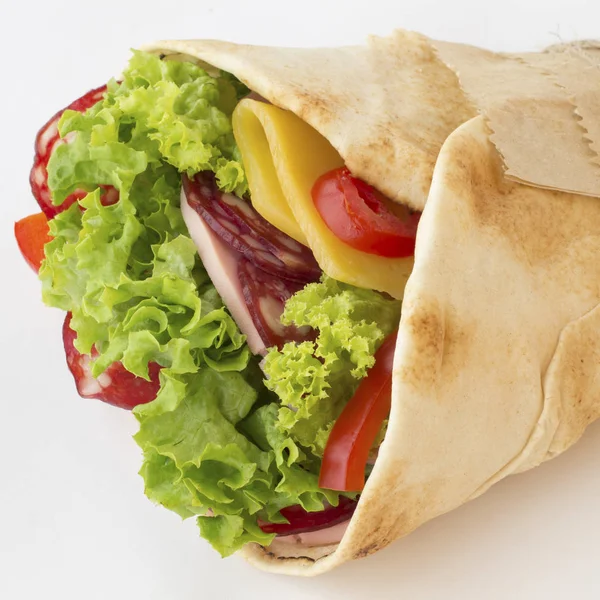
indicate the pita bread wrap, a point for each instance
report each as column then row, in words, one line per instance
column 389, row 130
column 497, row 360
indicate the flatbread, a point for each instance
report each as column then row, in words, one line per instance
column 388, row 129
column 543, row 109
column 496, row 368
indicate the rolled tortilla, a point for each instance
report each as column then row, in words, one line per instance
column 388, row 128
column 497, row 362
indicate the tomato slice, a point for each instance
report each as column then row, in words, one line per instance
column 32, row 233
column 301, row 521
column 353, row 434
column 362, row 217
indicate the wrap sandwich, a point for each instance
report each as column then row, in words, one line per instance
column 231, row 230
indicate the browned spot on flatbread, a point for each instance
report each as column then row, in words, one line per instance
column 366, row 550
column 442, row 95
column 474, row 169
column 380, row 173
column 538, row 225
column 425, row 325
column 459, row 330
column 382, row 528
column 313, row 107
column 380, row 524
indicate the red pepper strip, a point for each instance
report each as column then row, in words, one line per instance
column 352, row 436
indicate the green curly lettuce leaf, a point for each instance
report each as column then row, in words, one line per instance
column 138, row 293
column 315, row 380
column 206, row 456
column 162, row 111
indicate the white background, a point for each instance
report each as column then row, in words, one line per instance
column 74, row 523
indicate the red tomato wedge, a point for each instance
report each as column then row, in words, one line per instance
column 32, row 233
column 301, row 521
column 353, row 434
column 362, row 217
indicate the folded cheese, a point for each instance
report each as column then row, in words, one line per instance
column 283, row 157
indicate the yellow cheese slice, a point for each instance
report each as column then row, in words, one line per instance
column 267, row 196
column 283, row 157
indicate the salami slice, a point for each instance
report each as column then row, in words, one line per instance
column 240, row 226
column 265, row 297
column 301, row 521
column 116, row 385
column 46, row 141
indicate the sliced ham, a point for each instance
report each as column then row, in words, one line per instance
column 321, row 537
column 240, row 226
column 255, row 298
column 255, row 267
column 221, row 264
column 266, row 296
column 310, row 532
column 313, row 544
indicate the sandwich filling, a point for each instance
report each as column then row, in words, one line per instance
column 228, row 279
